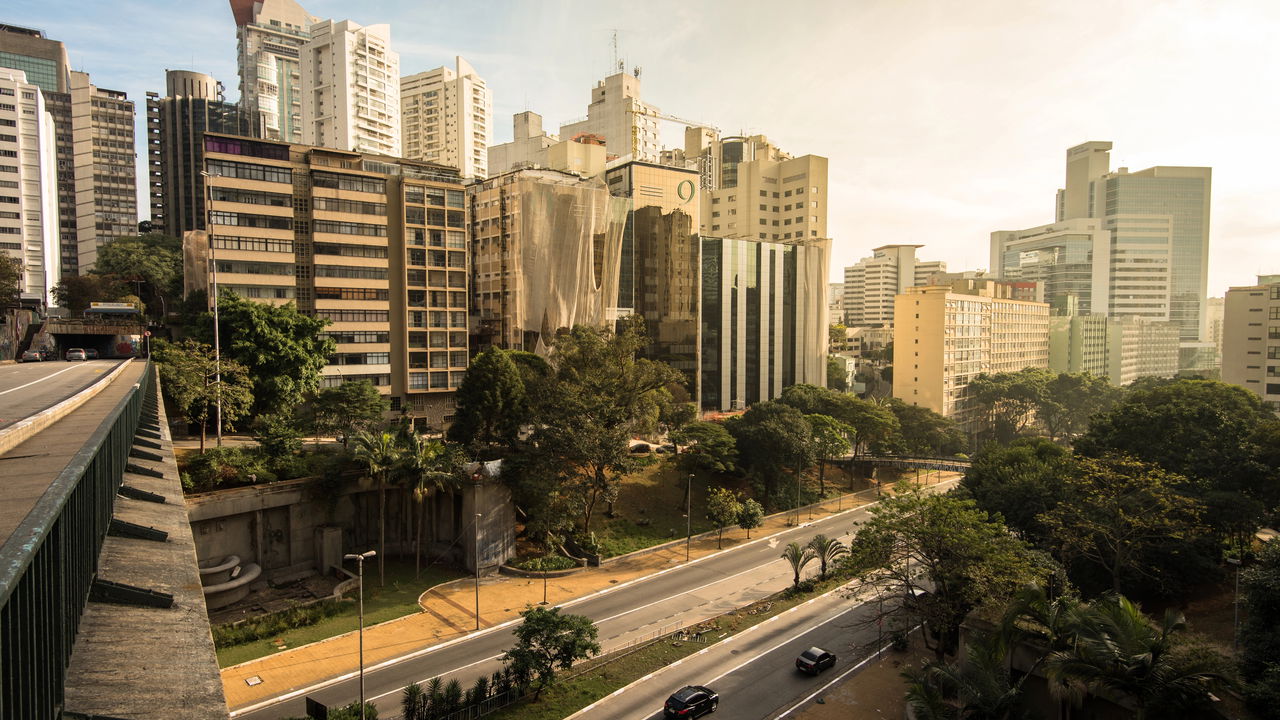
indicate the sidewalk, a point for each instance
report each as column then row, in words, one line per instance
column 449, row 611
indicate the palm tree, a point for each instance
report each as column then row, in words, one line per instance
column 982, row 688
column 1118, row 652
column 424, row 468
column 799, row 556
column 413, row 703
column 378, row 453
column 827, row 550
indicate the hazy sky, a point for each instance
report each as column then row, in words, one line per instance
column 943, row 120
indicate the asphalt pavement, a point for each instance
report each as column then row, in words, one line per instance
column 28, row 388
column 678, row 596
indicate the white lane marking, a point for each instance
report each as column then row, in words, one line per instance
column 837, row 679
column 46, row 377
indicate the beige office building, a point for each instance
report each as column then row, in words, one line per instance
column 445, row 118
column 616, row 113
column 532, row 147
column 376, row 245
column 351, row 88
column 944, row 337
column 871, row 284
column 1251, row 339
column 105, row 172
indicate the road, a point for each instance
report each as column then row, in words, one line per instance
column 28, row 388
column 754, row 672
column 679, row 596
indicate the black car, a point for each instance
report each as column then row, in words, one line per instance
column 691, row 701
column 815, row 660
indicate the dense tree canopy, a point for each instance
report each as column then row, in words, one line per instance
column 772, row 438
column 706, row 446
column 491, row 406
column 188, row 373
column 10, row 280
column 1020, row 481
column 547, row 641
column 345, row 410
column 922, row 431
column 153, row 261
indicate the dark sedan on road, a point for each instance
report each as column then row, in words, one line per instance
column 691, row 701
column 815, row 660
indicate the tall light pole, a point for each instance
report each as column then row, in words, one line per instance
column 360, row 574
column 688, row 517
column 213, row 265
column 477, row 570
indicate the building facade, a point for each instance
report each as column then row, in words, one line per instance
column 375, row 245
column 546, row 248
column 661, row 260
column 1071, row 260
column 528, row 145
column 269, row 38
column 351, row 88
column 445, row 118
column 176, row 124
column 102, row 124
column 871, row 284
column 28, row 185
column 945, row 336
column 628, row 125
column 1251, row 339
column 764, row 319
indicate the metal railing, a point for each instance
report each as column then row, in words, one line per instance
column 49, row 562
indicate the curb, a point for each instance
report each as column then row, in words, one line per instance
column 22, row 431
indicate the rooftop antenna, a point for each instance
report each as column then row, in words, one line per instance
column 618, row 65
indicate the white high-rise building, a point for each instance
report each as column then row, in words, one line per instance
column 28, row 183
column 628, row 125
column 269, row 36
column 445, row 118
column 871, row 284
column 351, row 88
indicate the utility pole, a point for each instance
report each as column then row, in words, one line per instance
column 688, row 516
column 213, row 266
column 360, row 574
column 477, row 569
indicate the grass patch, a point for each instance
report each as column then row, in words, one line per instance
column 650, row 510
column 601, row 676
column 397, row 599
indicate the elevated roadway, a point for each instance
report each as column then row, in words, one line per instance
column 28, row 388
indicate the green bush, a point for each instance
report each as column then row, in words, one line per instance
column 553, row 562
column 266, row 626
column 219, row 466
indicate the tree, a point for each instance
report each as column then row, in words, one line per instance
column 708, row 447
column 151, row 259
column 75, row 292
column 830, row 440
column 345, row 410
column 1117, row 513
column 922, row 431
column 675, row 416
column 547, row 641
column 772, row 437
column 277, row 434
column 491, row 406
column 1260, row 632
column 982, row 687
column 724, row 510
column 414, row 702
column 752, row 515
column 798, row 556
column 827, row 550
column 10, row 280
column 943, row 556
column 189, row 373
column 379, row 454
column 283, row 349
column 1070, row 399
column 423, row 468
column 1020, row 482
column 1008, row 401
column 836, row 377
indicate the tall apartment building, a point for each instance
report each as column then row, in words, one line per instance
column 871, row 284
column 28, row 184
column 351, row 88
column 1072, row 262
column 755, row 190
column 1121, row 349
column 546, row 251
column 105, row 172
column 1251, row 339
column 764, row 319
column 532, row 147
column 176, row 124
column 661, row 260
column 628, row 125
column 445, row 118
column 1215, row 316
column 269, row 37
column 1153, row 214
column 376, row 245
column 945, row 336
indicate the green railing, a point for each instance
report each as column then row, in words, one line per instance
column 48, row 564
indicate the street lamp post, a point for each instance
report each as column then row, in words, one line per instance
column 360, row 558
column 477, row 533
column 213, row 265
column 688, row 516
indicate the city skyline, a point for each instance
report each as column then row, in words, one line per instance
column 1016, row 89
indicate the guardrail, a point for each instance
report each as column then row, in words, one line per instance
column 49, row 562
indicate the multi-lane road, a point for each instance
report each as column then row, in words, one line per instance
column 28, row 388
column 679, row 596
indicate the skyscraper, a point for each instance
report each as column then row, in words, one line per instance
column 445, row 118
column 176, row 124
column 105, row 174
column 351, row 88
column 871, row 284
column 28, row 184
column 269, row 35
column 1160, row 212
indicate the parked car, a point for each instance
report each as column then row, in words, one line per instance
column 91, row 354
column 76, row 354
column 639, row 448
column 691, row 701
column 815, row 660
column 31, row 356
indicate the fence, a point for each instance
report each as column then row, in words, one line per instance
column 48, row 564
